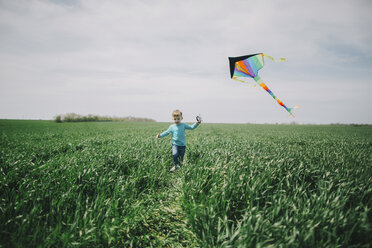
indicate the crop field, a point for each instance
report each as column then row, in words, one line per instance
column 107, row 184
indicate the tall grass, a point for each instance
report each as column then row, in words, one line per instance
column 107, row 184
column 281, row 186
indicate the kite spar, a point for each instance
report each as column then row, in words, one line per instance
column 248, row 66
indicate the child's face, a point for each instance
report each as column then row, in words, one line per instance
column 177, row 119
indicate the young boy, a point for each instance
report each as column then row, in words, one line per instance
column 178, row 137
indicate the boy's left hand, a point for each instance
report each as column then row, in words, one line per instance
column 198, row 119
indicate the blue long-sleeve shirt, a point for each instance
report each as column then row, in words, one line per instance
column 178, row 133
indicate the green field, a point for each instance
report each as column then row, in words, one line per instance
column 108, row 185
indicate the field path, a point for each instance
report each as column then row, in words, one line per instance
column 172, row 228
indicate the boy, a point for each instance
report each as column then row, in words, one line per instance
column 178, row 137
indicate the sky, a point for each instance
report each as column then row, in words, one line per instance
column 146, row 58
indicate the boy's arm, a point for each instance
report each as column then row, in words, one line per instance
column 163, row 134
column 195, row 125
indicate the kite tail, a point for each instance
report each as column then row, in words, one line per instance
column 276, row 60
column 252, row 84
column 263, row 85
column 291, row 109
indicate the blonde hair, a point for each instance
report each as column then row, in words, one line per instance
column 176, row 112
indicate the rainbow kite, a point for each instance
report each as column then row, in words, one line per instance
column 248, row 66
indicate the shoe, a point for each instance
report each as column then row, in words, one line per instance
column 173, row 169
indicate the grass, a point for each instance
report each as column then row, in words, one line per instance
column 108, row 185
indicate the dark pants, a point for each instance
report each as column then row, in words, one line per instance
column 178, row 152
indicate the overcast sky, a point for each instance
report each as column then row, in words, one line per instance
column 147, row 58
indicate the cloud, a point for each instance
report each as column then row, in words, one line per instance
column 136, row 53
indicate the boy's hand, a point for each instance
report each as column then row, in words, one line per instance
column 198, row 119
column 158, row 135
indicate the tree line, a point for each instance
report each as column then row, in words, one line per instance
column 73, row 117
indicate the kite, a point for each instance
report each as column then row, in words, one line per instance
column 248, row 66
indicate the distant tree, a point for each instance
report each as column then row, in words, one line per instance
column 73, row 117
column 58, row 119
